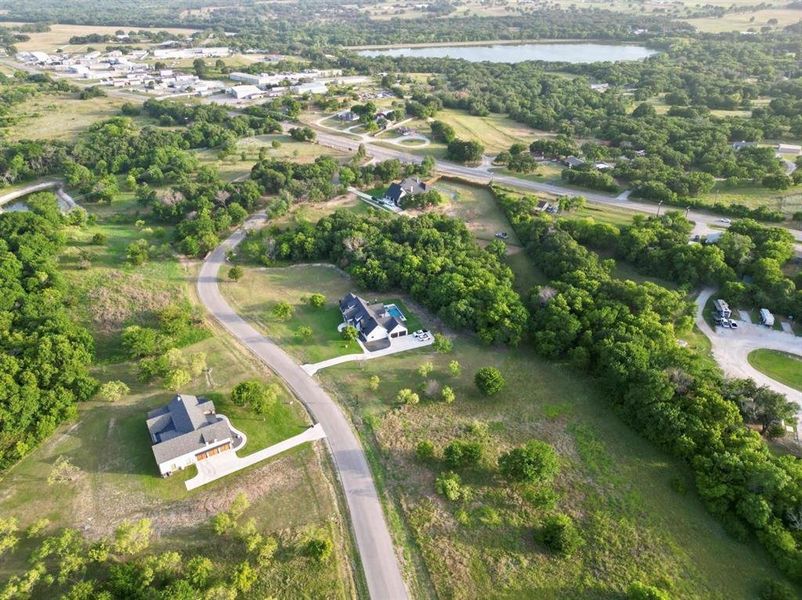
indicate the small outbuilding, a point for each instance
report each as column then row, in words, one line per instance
column 766, row 318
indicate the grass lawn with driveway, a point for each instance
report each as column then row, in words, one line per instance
column 785, row 368
column 623, row 492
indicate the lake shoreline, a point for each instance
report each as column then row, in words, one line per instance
column 492, row 43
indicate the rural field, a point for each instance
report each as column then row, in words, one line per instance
column 622, row 491
column 293, row 497
column 60, row 34
column 618, row 486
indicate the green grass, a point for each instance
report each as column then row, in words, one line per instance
column 619, row 488
column 755, row 196
column 785, row 368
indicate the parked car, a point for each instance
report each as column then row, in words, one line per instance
column 725, row 323
column 724, row 220
column 733, row 324
column 502, row 235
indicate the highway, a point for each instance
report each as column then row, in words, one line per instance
column 373, row 540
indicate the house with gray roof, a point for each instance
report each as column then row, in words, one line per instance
column 411, row 186
column 374, row 322
column 187, row 431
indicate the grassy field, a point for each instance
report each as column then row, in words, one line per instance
column 292, row 496
column 623, row 492
column 234, row 167
column 785, row 368
column 789, row 201
column 749, row 20
column 496, row 132
column 59, row 117
column 59, row 36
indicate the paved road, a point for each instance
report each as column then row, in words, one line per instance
column 704, row 222
column 382, row 570
column 731, row 347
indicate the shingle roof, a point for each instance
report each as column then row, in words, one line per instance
column 184, row 425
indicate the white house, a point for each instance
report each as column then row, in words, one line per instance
column 374, row 322
column 187, row 431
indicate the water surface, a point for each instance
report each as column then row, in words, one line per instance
column 514, row 53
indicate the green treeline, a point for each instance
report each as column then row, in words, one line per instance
column 432, row 257
column 44, row 354
column 623, row 334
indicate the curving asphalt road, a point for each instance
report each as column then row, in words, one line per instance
column 375, row 546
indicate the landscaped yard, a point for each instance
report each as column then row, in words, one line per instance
column 785, row 368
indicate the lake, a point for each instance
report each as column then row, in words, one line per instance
column 514, row 53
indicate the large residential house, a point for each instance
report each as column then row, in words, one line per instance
column 374, row 322
column 411, row 186
column 187, row 431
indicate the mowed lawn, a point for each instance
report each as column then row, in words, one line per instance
column 255, row 295
column 634, row 504
column 785, row 368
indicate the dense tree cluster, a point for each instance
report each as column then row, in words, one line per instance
column 432, row 257
column 624, row 334
column 44, row 354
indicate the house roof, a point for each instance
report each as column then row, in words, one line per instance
column 186, row 424
column 410, row 186
column 368, row 317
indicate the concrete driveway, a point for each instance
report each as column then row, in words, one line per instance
column 372, row 536
column 402, row 344
column 731, row 347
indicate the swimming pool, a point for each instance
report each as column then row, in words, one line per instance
column 394, row 311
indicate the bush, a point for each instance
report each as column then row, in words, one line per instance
column 449, row 485
column 442, row 343
column 407, row 396
column 100, row 239
column 283, row 310
column 236, row 273
column 536, row 461
column 447, row 394
column 462, row 454
column 317, row 300
column 641, row 591
column 112, row 391
column 304, row 332
column 424, row 451
column 319, row 548
column 560, row 535
column 349, row 333
column 489, row 380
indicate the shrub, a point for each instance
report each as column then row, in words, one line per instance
column 374, row 382
column 255, row 394
column 349, row 333
column 449, row 485
column 425, row 369
column 319, row 548
column 489, row 380
column 304, row 332
column 641, row 591
column 559, row 534
column 317, row 300
column 447, row 394
column 424, row 451
column 100, row 239
column 462, row 454
column 112, row 391
column 236, row 273
column 455, row 368
column 407, row 396
column 442, row 343
column 536, row 461
column 282, row 310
